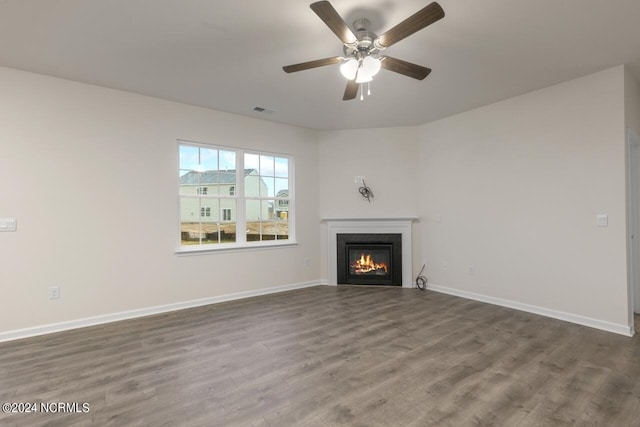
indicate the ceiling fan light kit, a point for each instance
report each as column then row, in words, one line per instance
column 362, row 60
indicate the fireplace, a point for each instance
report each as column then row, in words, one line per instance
column 369, row 259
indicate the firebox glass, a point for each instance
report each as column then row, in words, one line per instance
column 369, row 262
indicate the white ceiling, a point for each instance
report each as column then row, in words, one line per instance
column 228, row 55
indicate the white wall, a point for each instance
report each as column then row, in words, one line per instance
column 518, row 185
column 90, row 174
column 386, row 158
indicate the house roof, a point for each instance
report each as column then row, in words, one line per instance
column 214, row 177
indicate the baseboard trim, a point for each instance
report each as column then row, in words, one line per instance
column 555, row 314
column 142, row 312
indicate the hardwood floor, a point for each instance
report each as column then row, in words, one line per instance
column 329, row 356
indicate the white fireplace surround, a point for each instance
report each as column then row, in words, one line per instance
column 401, row 226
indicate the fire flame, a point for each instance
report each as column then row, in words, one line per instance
column 366, row 265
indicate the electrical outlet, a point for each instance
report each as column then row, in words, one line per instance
column 307, row 261
column 472, row 270
column 54, row 292
column 358, row 179
column 444, row 265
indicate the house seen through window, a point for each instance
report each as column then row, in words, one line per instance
column 233, row 197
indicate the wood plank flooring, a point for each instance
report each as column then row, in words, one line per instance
column 329, row 356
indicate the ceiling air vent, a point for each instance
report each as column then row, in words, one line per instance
column 263, row 110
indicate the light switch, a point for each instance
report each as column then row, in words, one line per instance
column 7, row 224
column 602, row 220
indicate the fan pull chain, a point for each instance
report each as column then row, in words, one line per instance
column 368, row 88
column 361, row 93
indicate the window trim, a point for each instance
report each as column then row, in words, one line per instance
column 241, row 243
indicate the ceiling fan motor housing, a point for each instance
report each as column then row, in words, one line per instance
column 365, row 45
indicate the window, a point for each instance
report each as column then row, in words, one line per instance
column 265, row 185
column 244, row 198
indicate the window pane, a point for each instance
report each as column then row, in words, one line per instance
column 189, row 182
column 252, row 161
column 282, row 167
column 209, row 180
column 230, row 206
column 268, row 209
column 189, row 209
column 209, row 220
column 282, row 209
column 226, row 180
column 267, row 187
column 209, row 212
column 269, row 230
column 227, row 161
column 282, row 227
column 228, row 232
column 190, row 232
column 253, row 211
column 188, row 157
column 266, row 166
column 252, row 184
column 208, row 159
column 282, row 187
column 253, row 215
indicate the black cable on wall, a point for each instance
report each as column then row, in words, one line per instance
column 421, row 281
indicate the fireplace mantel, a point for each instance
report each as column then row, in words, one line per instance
column 400, row 225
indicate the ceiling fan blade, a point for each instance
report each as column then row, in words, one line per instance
column 330, row 17
column 403, row 67
column 412, row 24
column 351, row 90
column 312, row 64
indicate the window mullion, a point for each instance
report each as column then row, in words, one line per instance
column 241, row 224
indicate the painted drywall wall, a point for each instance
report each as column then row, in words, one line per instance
column 90, row 174
column 510, row 192
column 387, row 159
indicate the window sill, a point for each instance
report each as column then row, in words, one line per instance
column 208, row 249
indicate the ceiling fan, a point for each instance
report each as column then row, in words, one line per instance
column 362, row 49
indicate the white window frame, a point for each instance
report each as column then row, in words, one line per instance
column 241, row 242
